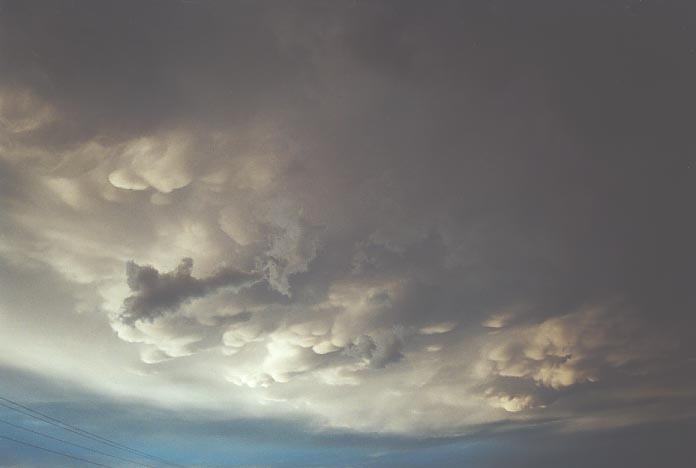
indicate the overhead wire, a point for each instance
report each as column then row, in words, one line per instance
column 18, row 407
column 57, row 452
column 67, row 442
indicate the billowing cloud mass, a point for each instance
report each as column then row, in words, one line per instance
column 373, row 217
column 581, row 347
column 155, row 294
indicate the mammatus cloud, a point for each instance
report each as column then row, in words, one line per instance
column 376, row 352
column 162, row 163
column 400, row 223
column 561, row 352
column 156, row 296
column 336, row 342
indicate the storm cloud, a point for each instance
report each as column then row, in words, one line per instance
column 157, row 293
column 395, row 218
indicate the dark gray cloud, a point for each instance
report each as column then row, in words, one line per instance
column 378, row 351
column 156, row 294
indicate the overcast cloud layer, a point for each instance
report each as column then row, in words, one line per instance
column 390, row 218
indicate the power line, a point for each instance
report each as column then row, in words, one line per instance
column 17, row 426
column 76, row 430
column 48, row 421
column 53, row 451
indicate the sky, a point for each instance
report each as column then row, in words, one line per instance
column 349, row 233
